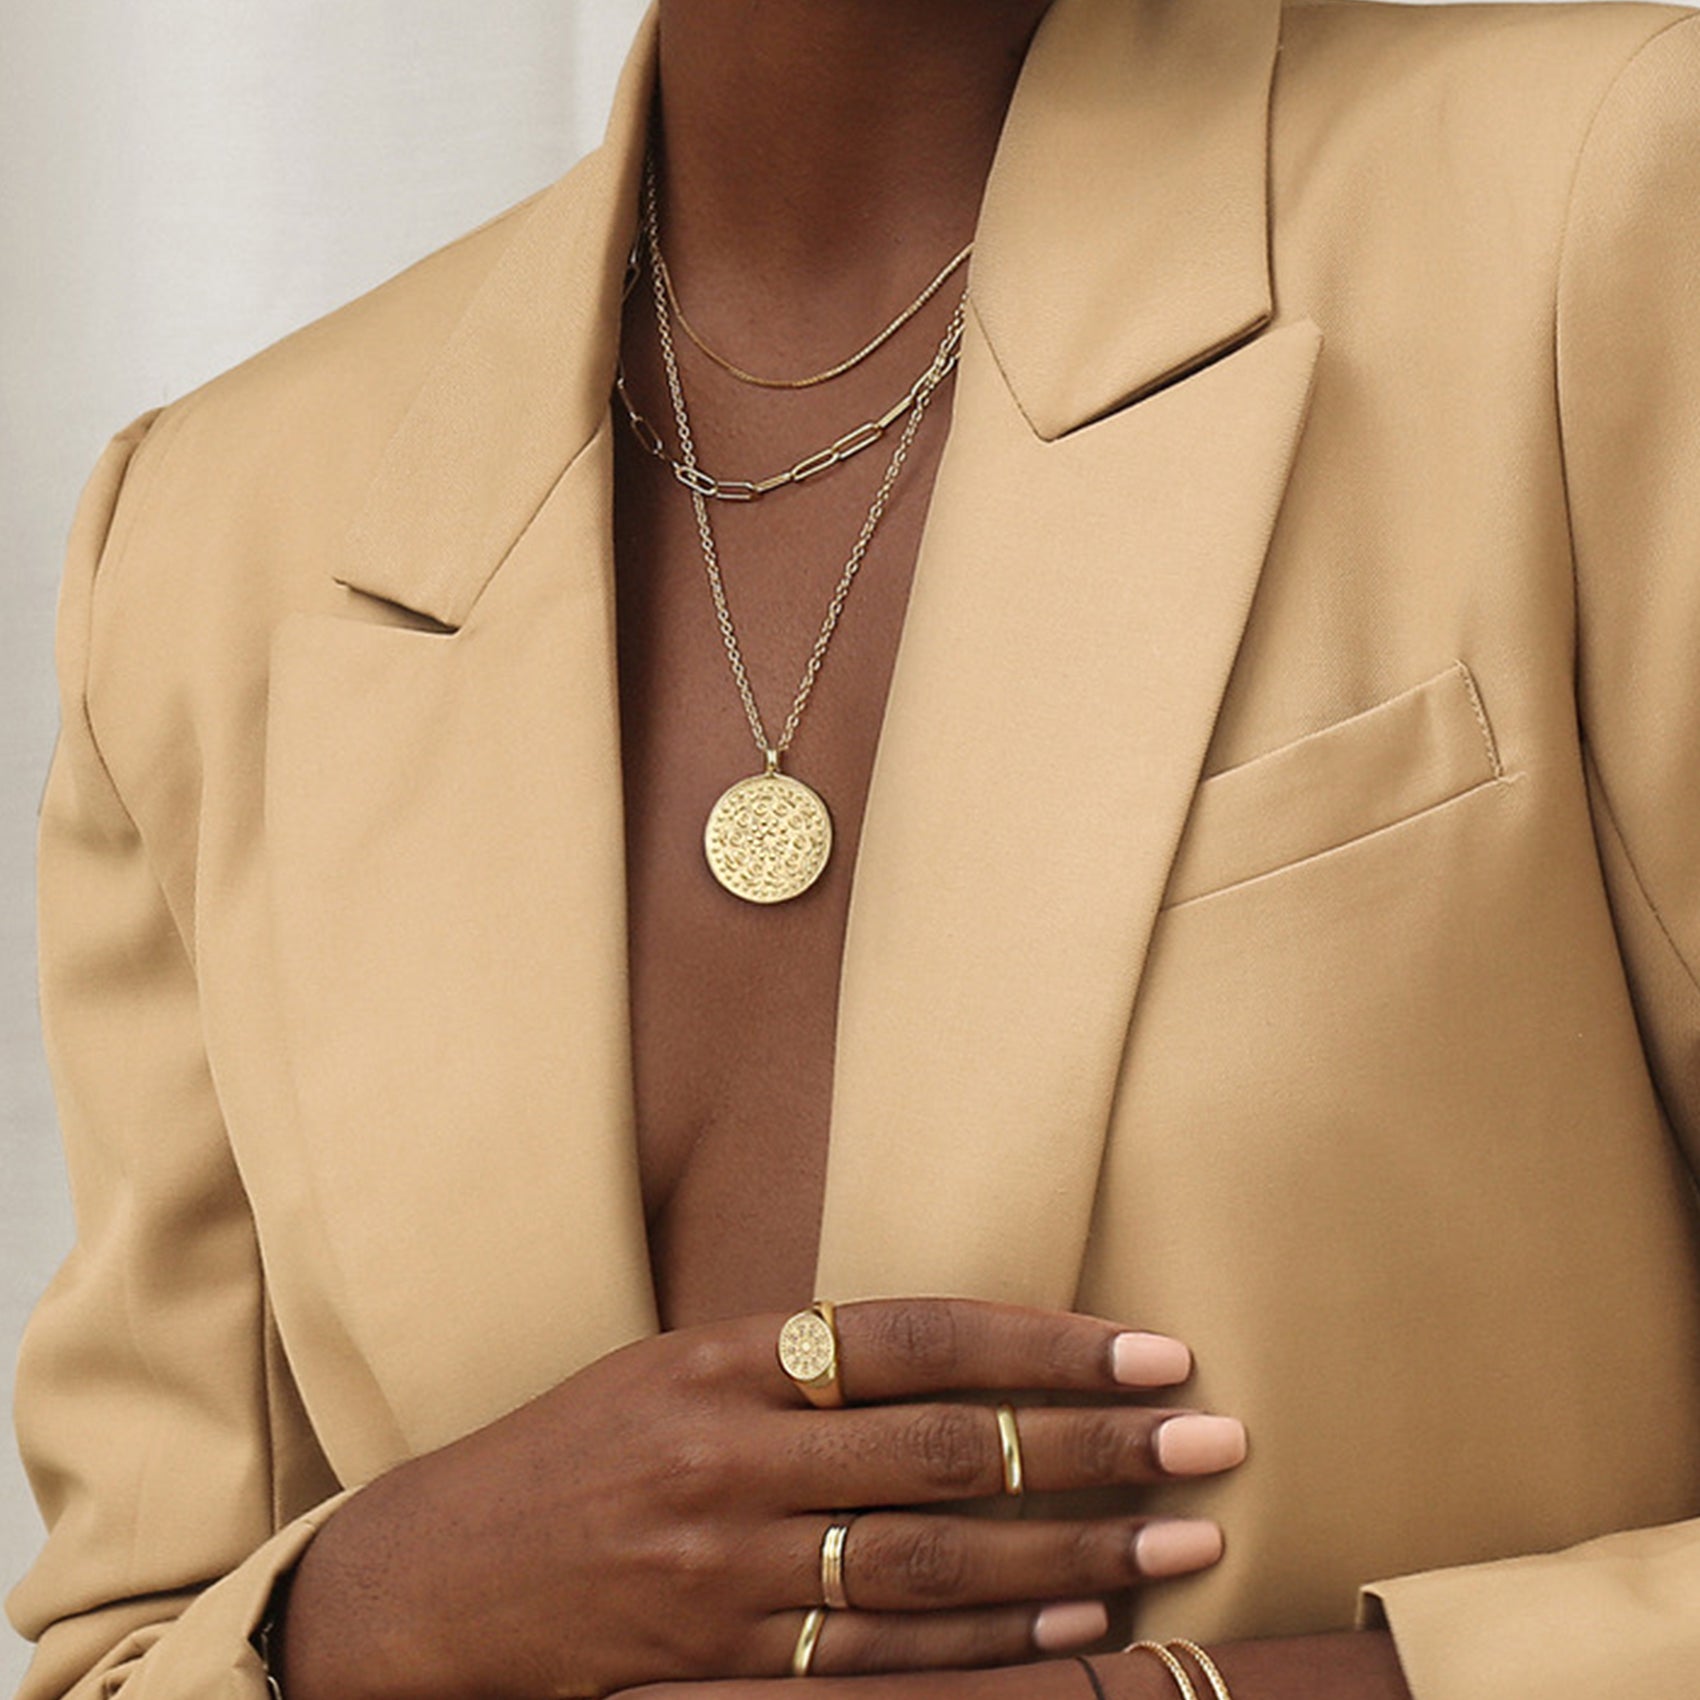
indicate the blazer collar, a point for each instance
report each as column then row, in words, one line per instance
column 1093, row 287
column 520, row 389
column 1124, row 237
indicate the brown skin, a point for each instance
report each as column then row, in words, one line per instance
column 791, row 262
column 822, row 157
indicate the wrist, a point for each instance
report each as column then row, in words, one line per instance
column 1130, row 1676
column 344, row 1623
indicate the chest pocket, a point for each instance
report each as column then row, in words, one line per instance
column 1358, row 776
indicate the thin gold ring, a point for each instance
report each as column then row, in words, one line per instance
column 1009, row 1445
column 808, row 1638
column 832, row 1547
column 808, row 1353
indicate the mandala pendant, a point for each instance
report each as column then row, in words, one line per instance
column 768, row 838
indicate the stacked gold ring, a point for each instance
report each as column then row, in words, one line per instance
column 832, row 1547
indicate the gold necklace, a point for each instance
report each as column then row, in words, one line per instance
column 693, row 478
column 768, row 837
column 843, row 366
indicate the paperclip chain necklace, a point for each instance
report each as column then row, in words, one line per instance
column 769, row 837
column 704, row 483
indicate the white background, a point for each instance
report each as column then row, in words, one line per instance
column 181, row 182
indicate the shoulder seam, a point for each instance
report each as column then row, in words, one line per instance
column 1561, row 266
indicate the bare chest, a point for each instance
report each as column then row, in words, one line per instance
column 734, row 1004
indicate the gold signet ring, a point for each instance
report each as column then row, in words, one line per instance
column 808, row 1353
column 1009, row 1446
column 832, row 1565
column 808, row 1638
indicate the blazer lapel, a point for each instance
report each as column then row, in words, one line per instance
column 444, row 803
column 1076, row 611
column 446, row 852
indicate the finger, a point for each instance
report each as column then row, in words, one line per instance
column 908, row 1348
column 894, row 1455
column 855, row 1643
column 898, row 1562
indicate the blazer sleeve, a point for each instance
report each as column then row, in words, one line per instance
column 1619, row 1615
column 172, row 1461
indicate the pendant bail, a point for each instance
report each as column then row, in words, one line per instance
column 772, row 762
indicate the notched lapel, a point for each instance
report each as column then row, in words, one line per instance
column 1077, row 608
column 1124, row 237
column 446, row 862
column 520, row 389
column 1075, row 616
column 445, row 849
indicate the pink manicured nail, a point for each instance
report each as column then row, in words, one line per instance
column 1176, row 1546
column 1149, row 1360
column 1078, row 1623
column 1199, row 1446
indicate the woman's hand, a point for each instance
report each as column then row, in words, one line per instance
column 660, row 1515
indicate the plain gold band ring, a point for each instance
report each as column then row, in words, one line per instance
column 1009, row 1447
column 808, row 1638
column 808, row 1353
column 832, row 1565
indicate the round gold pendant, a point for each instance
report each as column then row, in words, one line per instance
column 768, row 838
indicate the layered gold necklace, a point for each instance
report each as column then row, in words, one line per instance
column 769, row 837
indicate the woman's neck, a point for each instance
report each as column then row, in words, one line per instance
column 825, row 151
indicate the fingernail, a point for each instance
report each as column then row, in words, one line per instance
column 1176, row 1546
column 1149, row 1360
column 1078, row 1623
column 1198, row 1446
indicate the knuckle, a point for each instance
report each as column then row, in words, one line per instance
column 1067, row 1358
column 948, row 1448
column 692, row 1469
column 930, row 1563
column 1087, row 1560
column 1104, row 1451
column 684, row 1562
column 707, row 1361
column 1008, row 1637
column 693, row 1554
column 1057, row 1358
column 887, row 1642
column 924, row 1336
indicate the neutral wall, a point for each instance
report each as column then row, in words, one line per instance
column 181, row 182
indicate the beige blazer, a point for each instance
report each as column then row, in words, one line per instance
column 1277, row 919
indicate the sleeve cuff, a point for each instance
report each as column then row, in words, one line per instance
column 1614, row 1616
column 203, row 1654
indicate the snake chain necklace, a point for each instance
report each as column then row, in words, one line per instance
column 768, row 837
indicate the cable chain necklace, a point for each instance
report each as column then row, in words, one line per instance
column 769, row 837
column 849, row 364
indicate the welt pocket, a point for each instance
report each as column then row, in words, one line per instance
column 1358, row 776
